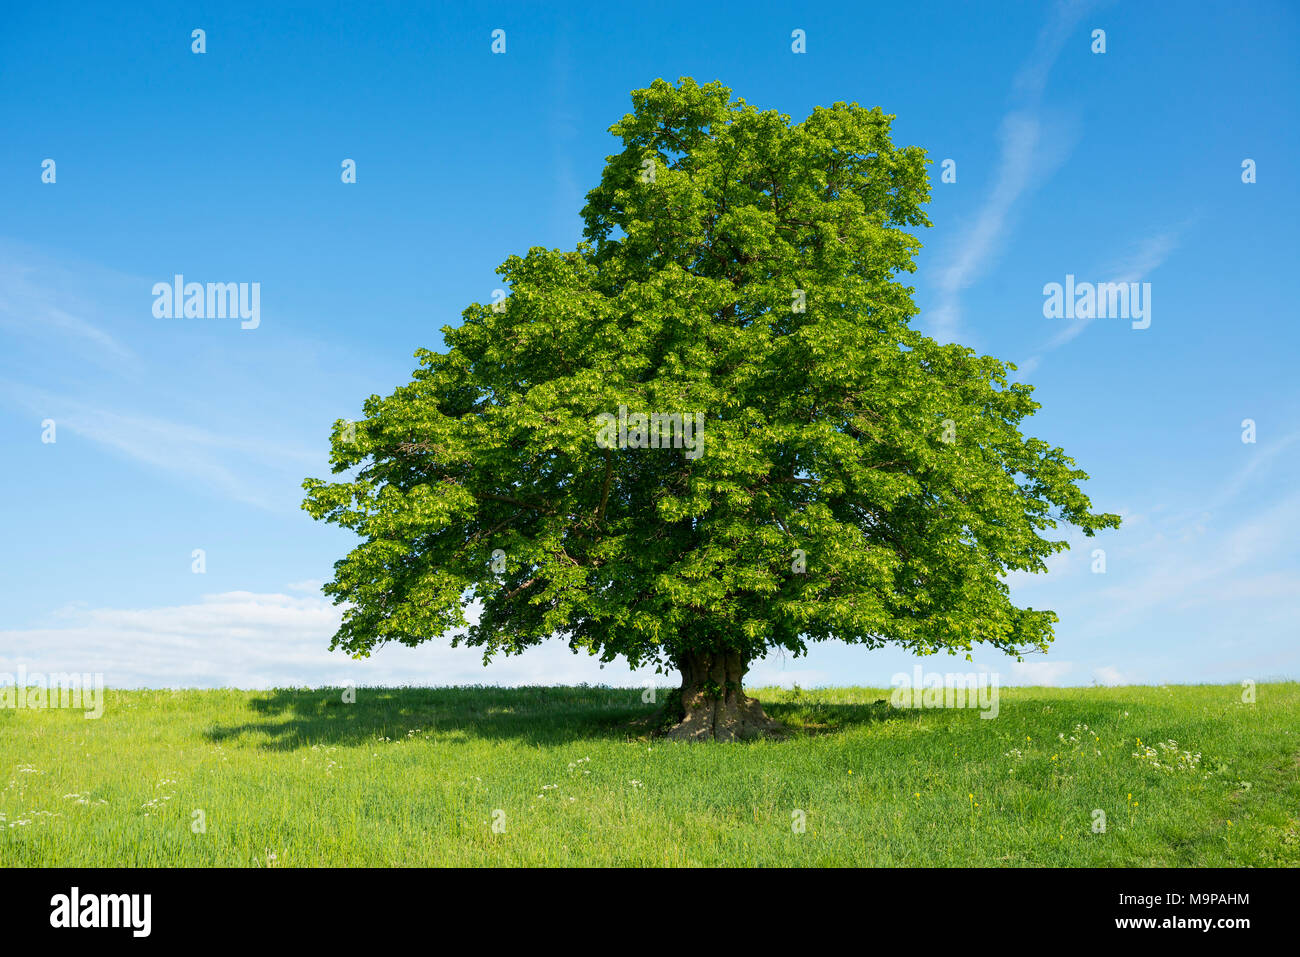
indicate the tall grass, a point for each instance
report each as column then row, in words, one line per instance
column 418, row 776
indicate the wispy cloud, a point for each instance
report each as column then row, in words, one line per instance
column 1229, row 563
column 1020, row 161
column 1220, row 571
column 1264, row 455
column 1031, row 149
column 250, row 469
column 1066, row 17
column 36, row 301
column 1221, row 579
column 1148, row 255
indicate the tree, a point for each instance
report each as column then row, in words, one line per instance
column 815, row 467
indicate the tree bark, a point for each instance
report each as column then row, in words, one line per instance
column 712, row 703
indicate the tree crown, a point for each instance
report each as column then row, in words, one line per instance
column 850, row 478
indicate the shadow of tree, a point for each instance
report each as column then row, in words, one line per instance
column 821, row 717
column 292, row 718
column 287, row 718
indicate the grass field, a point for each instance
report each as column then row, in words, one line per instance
column 293, row 778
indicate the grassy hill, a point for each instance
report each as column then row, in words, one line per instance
column 1184, row 776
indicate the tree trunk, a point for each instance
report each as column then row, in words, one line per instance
column 713, row 705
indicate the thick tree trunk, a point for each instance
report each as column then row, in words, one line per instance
column 713, row 704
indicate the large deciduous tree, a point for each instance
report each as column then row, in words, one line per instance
column 852, row 479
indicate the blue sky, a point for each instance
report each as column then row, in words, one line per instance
column 178, row 434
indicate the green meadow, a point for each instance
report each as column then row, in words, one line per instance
column 1184, row 775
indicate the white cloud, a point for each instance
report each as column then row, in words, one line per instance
column 256, row 640
column 1110, row 675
